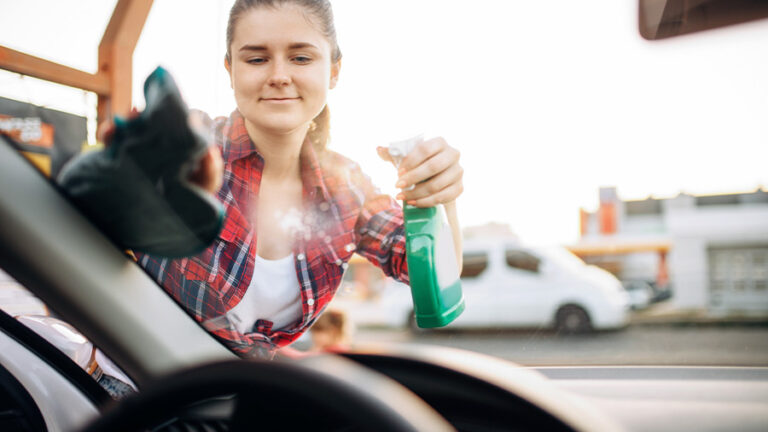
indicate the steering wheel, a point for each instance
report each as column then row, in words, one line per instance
column 323, row 392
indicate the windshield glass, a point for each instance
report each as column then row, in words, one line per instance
column 568, row 141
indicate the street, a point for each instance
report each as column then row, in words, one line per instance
column 712, row 345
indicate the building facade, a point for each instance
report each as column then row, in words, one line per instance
column 711, row 249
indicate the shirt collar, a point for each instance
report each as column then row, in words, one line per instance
column 239, row 146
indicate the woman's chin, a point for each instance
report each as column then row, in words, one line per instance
column 277, row 126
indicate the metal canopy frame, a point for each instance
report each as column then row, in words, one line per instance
column 113, row 81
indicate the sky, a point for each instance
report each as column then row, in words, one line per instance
column 547, row 101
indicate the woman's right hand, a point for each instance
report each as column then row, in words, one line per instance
column 209, row 172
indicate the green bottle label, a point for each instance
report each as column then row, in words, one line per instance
column 432, row 267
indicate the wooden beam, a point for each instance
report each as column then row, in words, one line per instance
column 113, row 82
column 116, row 55
column 619, row 247
column 37, row 67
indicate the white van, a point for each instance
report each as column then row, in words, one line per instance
column 509, row 285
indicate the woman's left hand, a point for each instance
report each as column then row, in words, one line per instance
column 433, row 167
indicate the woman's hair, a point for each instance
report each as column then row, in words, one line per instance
column 317, row 11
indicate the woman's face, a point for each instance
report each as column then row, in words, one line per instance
column 281, row 69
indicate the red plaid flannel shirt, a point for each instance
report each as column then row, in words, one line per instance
column 344, row 213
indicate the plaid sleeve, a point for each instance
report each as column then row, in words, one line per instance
column 379, row 229
column 160, row 269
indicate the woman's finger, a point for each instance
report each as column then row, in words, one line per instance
column 429, row 168
column 423, row 151
column 105, row 131
column 452, row 175
column 443, row 197
column 384, row 154
column 210, row 171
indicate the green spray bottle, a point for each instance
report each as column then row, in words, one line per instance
column 432, row 267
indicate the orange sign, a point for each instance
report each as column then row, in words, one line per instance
column 607, row 218
column 28, row 130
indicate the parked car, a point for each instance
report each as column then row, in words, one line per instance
column 640, row 292
column 509, row 285
column 661, row 292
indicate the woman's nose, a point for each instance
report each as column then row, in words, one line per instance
column 279, row 75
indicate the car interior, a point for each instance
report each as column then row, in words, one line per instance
column 189, row 381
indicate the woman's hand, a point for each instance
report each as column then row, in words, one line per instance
column 209, row 172
column 433, row 167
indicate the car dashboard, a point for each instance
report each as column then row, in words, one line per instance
column 595, row 398
column 671, row 398
column 628, row 398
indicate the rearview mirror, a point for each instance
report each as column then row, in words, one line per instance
column 660, row 19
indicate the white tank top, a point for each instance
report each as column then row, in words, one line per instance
column 273, row 295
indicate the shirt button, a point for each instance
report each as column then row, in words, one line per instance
column 311, row 302
column 300, row 257
column 339, row 262
column 344, row 266
column 350, row 247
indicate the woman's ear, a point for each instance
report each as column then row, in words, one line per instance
column 228, row 67
column 335, row 69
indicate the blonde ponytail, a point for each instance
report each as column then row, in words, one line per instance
column 320, row 130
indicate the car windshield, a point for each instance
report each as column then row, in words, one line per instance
column 617, row 185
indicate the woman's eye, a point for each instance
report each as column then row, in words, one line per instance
column 302, row 59
column 257, row 60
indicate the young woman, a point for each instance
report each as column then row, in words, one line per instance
column 296, row 212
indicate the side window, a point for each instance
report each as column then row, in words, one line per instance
column 26, row 308
column 475, row 264
column 522, row 260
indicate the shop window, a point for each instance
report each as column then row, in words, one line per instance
column 646, row 207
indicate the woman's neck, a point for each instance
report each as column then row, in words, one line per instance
column 280, row 151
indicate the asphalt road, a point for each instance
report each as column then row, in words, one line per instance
column 711, row 345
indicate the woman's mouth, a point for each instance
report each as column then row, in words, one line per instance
column 280, row 99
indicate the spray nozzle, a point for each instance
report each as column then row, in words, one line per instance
column 399, row 149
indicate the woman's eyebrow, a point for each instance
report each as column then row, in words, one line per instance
column 301, row 45
column 253, row 48
column 297, row 45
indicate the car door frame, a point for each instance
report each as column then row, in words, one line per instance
column 56, row 253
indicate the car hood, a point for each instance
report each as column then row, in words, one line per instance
column 591, row 276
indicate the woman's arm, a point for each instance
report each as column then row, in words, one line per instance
column 379, row 230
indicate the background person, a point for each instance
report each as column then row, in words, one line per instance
column 332, row 332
